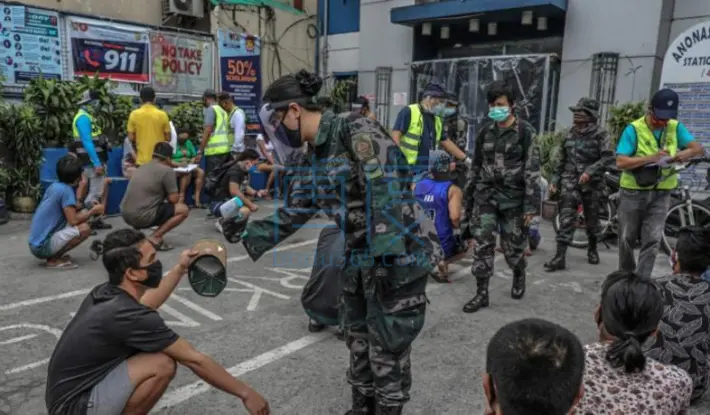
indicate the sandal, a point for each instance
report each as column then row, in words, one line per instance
column 63, row 265
column 162, row 246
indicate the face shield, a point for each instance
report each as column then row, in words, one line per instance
column 286, row 149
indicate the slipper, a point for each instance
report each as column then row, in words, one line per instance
column 63, row 265
column 162, row 246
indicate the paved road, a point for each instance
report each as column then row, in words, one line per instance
column 257, row 328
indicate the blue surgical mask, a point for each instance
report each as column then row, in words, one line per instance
column 438, row 109
column 448, row 112
column 499, row 114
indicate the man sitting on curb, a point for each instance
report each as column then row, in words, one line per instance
column 57, row 225
column 117, row 355
column 442, row 199
column 144, row 205
column 231, row 200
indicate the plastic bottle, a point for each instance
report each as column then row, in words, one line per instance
column 230, row 208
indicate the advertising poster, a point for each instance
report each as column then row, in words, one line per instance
column 115, row 52
column 240, row 73
column 30, row 44
column 686, row 70
column 181, row 64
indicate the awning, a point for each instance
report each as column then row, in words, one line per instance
column 260, row 3
column 446, row 9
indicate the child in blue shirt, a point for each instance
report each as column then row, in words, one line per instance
column 57, row 227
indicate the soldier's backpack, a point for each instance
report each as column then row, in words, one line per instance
column 322, row 291
column 214, row 179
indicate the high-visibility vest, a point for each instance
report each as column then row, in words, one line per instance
column 647, row 145
column 409, row 142
column 219, row 140
column 229, row 123
column 95, row 129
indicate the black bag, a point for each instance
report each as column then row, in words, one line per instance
column 214, row 179
column 322, row 291
column 647, row 176
column 4, row 217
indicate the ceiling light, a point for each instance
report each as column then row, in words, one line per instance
column 444, row 32
column 542, row 23
column 527, row 18
column 492, row 28
column 474, row 25
column 426, row 29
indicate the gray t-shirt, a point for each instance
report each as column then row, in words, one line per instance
column 147, row 189
column 209, row 116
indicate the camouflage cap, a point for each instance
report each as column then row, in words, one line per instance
column 588, row 105
column 439, row 161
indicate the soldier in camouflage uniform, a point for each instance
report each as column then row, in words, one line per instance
column 456, row 130
column 502, row 193
column 357, row 176
column 585, row 154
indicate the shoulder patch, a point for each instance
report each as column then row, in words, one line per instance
column 362, row 146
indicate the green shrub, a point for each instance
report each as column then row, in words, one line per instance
column 55, row 102
column 621, row 115
column 549, row 145
column 21, row 128
column 189, row 115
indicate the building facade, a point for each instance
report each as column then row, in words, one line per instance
column 287, row 29
column 611, row 50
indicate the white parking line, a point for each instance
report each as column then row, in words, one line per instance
column 194, row 307
column 18, row 339
column 186, row 392
column 41, row 300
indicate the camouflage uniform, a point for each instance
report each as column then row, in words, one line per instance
column 357, row 176
column 584, row 150
column 502, row 189
column 456, row 130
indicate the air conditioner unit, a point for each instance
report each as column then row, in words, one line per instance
column 195, row 8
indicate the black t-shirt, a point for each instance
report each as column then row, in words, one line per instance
column 233, row 175
column 109, row 327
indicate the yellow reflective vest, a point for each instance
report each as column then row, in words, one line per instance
column 409, row 142
column 647, row 145
column 219, row 140
column 95, row 129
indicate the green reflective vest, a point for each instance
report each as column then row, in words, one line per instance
column 646, row 145
column 95, row 129
column 219, row 140
column 409, row 142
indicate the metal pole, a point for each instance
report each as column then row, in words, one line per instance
column 545, row 93
column 325, row 38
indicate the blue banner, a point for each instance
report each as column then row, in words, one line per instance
column 240, row 73
column 30, row 44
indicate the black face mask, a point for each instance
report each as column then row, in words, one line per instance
column 155, row 274
column 293, row 136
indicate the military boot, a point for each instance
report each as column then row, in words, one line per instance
column 592, row 254
column 517, row 291
column 388, row 410
column 557, row 263
column 362, row 405
column 481, row 298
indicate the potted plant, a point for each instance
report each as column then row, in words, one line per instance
column 22, row 129
column 549, row 146
column 621, row 115
column 25, row 188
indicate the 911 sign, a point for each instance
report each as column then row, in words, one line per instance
column 117, row 60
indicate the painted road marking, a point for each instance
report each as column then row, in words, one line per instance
column 194, row 307
column 257, row 291
column 186, row 392
column 18, row 339
column 41, row 300
column 56, row 333
column 183, row 320
column 285, row 248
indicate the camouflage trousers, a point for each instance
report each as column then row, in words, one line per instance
column 513, row 238
column 383, row 311
column 569, row 202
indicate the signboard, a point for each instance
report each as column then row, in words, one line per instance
column 31, row 44
column 116, row 52
column 181, row 64
column 686, row 69
column 240, row 73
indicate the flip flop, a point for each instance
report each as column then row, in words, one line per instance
column 63, row 265
column 162, row 246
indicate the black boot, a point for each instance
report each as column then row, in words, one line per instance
column 557, row 263
column 481, row 298
column 592, row 254
column 315, row 327
column 517, row 291
column 388, row 410
column 362, row 404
